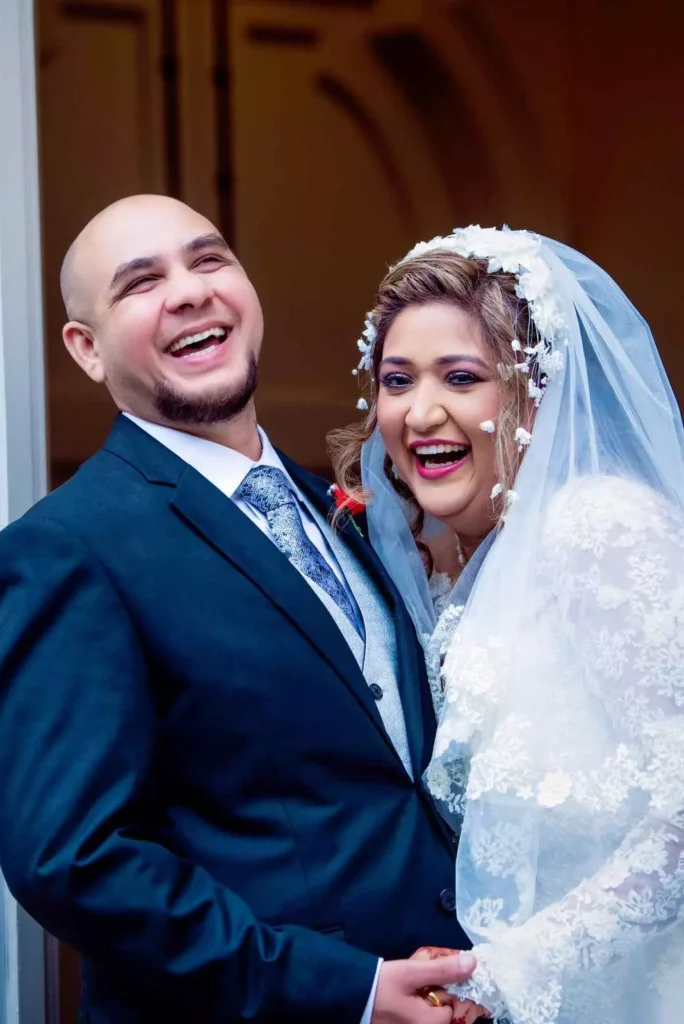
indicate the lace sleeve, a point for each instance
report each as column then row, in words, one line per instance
column 638, row 893
column 616, row 555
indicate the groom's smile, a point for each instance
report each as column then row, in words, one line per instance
column 202, row 342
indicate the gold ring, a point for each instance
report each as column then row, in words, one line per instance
column 432, row 998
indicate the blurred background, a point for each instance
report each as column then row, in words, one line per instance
column 326, row 136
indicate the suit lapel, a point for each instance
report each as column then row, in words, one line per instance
column 412, row 681
column 227, row 529
column 217, row 519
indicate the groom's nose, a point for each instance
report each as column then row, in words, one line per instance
column 185, row 288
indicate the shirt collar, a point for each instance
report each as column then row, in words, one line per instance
column 223, row 467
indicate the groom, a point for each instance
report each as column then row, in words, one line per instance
column 214, row 715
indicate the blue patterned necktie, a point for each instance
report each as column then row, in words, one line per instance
column 267, row 490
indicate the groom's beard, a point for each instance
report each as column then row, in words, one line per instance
column 217, row 408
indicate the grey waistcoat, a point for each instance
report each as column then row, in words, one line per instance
column 377, row 658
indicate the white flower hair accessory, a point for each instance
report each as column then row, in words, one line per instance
column 511, row 252
column 366, row 343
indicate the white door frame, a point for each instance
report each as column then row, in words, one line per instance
column 22, row 409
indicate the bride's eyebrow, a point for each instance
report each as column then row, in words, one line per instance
column 448, row 360
column 441, row 361
column 396, row 361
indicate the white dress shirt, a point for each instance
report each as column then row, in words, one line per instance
column 226, row 469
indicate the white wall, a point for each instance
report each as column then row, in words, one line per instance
column 22, row 413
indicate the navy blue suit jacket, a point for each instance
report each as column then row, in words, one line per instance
column 196, row 788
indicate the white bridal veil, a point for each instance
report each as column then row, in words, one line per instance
column 560, row 749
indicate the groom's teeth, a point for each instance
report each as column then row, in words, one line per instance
column 193, row 339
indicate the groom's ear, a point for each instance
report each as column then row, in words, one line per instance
column 81, row 344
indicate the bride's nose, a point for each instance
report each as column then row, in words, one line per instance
column 426, row 411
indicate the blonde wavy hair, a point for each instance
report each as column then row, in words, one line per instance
column 444, row 276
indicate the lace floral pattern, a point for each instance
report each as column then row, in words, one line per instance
column 437, row 645
column 574, row 909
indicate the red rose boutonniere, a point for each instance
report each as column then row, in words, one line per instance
column 344, row 503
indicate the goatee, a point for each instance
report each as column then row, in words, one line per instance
column 216, row 408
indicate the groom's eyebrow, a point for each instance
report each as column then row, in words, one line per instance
column 131, row 267
column 212, row 240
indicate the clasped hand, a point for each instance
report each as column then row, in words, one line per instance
column 402, row 986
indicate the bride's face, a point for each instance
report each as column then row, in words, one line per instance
column 437, row 383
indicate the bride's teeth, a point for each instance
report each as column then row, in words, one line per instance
column 437, row 449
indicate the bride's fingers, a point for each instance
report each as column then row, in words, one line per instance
column 433, row 952
column 477, row 1013
column 468, row 1013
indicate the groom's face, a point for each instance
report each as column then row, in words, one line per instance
column 171, row 322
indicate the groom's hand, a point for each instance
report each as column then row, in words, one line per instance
column 399, row 998
column 464, row 1012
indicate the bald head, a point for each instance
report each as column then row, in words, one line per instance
column 130, row 218
column 70, row 285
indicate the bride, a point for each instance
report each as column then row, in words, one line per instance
column 523, row 464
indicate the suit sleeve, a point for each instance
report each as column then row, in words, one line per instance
column 78, row 745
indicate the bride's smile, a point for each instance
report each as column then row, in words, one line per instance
column 436, row 457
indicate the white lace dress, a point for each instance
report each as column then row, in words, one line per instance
column 570, row 875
